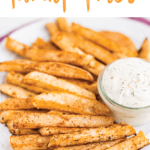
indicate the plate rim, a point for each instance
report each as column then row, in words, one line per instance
column 130, row 19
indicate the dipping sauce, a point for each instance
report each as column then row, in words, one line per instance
column 127, row 82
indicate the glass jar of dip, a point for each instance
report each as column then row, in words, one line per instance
column 131, row 115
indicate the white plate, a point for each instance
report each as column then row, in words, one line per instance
column 28, row 34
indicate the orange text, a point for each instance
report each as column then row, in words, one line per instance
column 64, row 3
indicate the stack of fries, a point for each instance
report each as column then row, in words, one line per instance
column 53, row 104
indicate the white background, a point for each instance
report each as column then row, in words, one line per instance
column 75, row 8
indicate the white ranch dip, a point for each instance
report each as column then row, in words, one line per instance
column 127, row 82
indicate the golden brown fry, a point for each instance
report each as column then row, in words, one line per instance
column 52, row 28
column 120, row 38
column 145, row 50
column 93, row 146
column 16, row 104
column 52, row 68
column 63, row 101
column 46, row 131
column 63, row 24
column 89, row 47
column 84, row 61
column 85, row 45
column 41, row 44
column 15, row 91
column 134, row 143
column 7, row 115
column 102, row 40
column 58, row 112
column 84, row 84
column 63, row 70
column 50, row 82
column 94, row 67
column 29, row 141
column 20, row 131
column 113, row 132
column 15, row 46
column 36, row 120
column 118, row 55
column 92, row 87
column 17, row 79
column 19, row 65
column 64, row 43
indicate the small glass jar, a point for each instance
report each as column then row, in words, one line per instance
column 131, row 116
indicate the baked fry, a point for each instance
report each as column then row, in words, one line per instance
column 118, row 55
column 91, row 87
column 7, row 115
column 120, row 38
column 50, row 82
column 16, row 104
column 15, row 91
column 58, row 112
column 29, row 141
column 36, row 120
column 52, row 68
column 17, row 79
column 20, row 131
column 46, row 131
column 63, row 101
column 84, row 84
column 103, row 134
column 102, row 40
column 63, row 24
column 134, row 143
column 85, row 45
column 52, row 28
column 15, row 46
column 93, row 146
column 145, row 50
column 84, row 61
column 64, row 43
column 19, row 65
column 94, row 67
column 63, row 70
column 89, row 47
column 41, row 44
